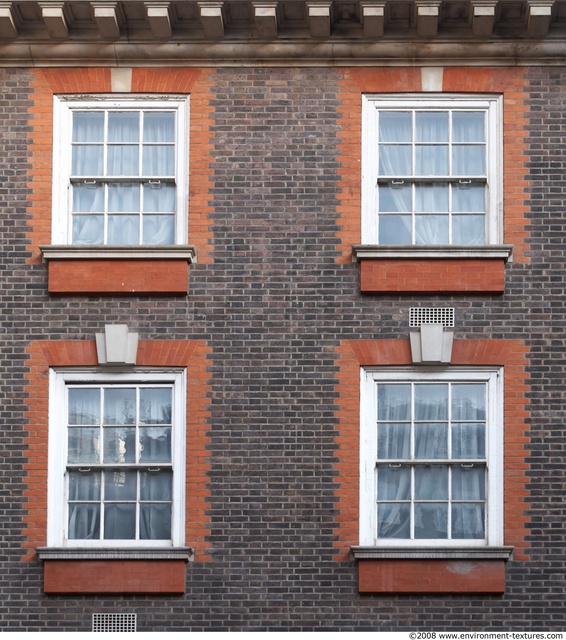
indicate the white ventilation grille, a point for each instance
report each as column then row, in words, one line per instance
column 431, row 315
column 114, row 622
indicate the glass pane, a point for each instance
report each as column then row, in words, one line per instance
column 393, row 483
column 394, row 441
column 468, row 441
column 468, row 230
column 395, row 126
column 431, row 402
column 395, row 160
column 159, row 126
column 468, row 126
column 83, row 445
column 88, row 229
column 88, row 126
column 119, row 445
column 158, row 160
column 123, row 229
column 120, row 485
column 430, row 198
column 155, row 444
column 395, row 230
column 393, row 401
column 159, row 198
column 155, row 405
column 431, row 126
column 431, row 482
column 468, row 402
column 468, row 521
column 119, row 521
column 123, row 126
column 468, row 198
column 84, row 522
column 431, row 441
column 156, row 486
column 123, row 161
column 87, row 160
column 395, row 199
column 88, row 198
column 431, row 160
column 158, row 229
column 468, row 483
column 468, row 160
column 394, row 521
column 84, row 406
column 120, row 406
column 84, row 486
column 431, row 521
column 123, row 197
column 155, row 522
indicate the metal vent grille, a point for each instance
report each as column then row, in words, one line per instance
column 431, row 315
column 114, row 622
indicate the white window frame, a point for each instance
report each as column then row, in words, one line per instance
column 63, row 107
column 493, row 377
column 57, row 513
column 372, row 104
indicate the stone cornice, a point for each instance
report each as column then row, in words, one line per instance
column 282, row 32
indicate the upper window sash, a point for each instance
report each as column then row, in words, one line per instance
column 120, row 170
column 431, row 170
column 493, row 379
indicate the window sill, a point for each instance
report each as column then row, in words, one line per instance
column 431, row 570
column 124, row 270
column 118, row 571
column 432, row 269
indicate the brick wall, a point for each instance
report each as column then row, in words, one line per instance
column 275, row 298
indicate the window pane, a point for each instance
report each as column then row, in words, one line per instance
column 468, row 160
column 395, row 199
column 158, row 229
column 84, row 406
column 468, row 126
column 120, row 485
column 88, row 198
column 393, row 482
column 468, row 402
column 155, row 405
column 395, row 160
column 394, row 402
column 159, row 198
column 394, row 441
column 119, row 521
column 84, row 486
column 156, row 486
column 468, row 521
column 468, row 441
column 123, row 126
column 83, row 445
column 123, row 197
column 431, row 160
column 394, row 521
column 119, row 445
column 431, row 126
column 123, row 161
column 120, row 406
column 468, row 198
column 431, row 229
column 395, row 126
column 88, row 126
column 468, row 483
column 87, row 160
column 431, row 482
column 159, row 126
column 430, row 198
column 155, row 444
column 468, row 230
column 88, row 229
column 123, row 229
column 431, row 441
column 84, row 521
column 395, row 230
column 155, row 522
column 158, row 160
column 431, row 402
column 431, row 521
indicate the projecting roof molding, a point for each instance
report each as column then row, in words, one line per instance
column 277, row 32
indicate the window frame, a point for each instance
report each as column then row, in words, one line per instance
column 57, row 520
column 493, row 377
column 491, row 104
column 63, row 108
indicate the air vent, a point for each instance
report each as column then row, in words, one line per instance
column 114, row 622
column 431, row 315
